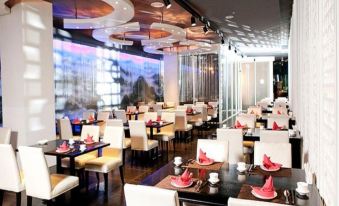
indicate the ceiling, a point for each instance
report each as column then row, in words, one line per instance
column 257, row 25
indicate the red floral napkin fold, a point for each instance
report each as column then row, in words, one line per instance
column 63, row 146
column 267, row 190
column 276, row 126
column 203, row 158
column 238, row 125
column 76, row 121
column 158, row 118
column 269, row 164
column 184, row 179
column 89, row 138
column 149, row 123
column 279, row 112
column 91, row 118
column 252, row 112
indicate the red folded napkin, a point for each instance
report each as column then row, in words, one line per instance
column 269, row 164
column 158, row 118
column 91, row 118
column 238, row 125
column 252, row 112
column 184, row 179
column 276, row 126
column 76, row 121
column 279, row 112
column 203, row 158
column 267, row 190
column 150, row 122
column 89, row 139
column 63, row 146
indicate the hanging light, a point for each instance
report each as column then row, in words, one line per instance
column 205, row 29
column 229, row 47
column 193, row 22
column 222, row 40
column 235, row 50
column 167, row 4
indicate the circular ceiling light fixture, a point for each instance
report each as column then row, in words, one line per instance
column 228, row 17
column 157, row 4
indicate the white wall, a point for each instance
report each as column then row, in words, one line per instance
column 26, row 49
column 314, row 77
column 171, row 78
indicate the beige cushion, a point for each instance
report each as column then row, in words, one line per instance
column 62, row 183
column 165, row 136
column 103, row 164
column 127, row 143
column 80, row 161
column 248, row 143
column 189, row 127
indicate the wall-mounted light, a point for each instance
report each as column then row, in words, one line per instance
column 193, row 22
column 229, row 47
column 222, row 41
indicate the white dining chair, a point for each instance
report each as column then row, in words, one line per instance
column 263, row 105
column 247, row 119
column 215, row 149
column 111, row 158
column 5, row 135
column 281, row 110
column 281, row 120
column 65, row 129
column 139, row 138
column 140, row 195
column 280, row 104
column 255, row 110
column 244, row 202
column 200, row 103
column 213, row 104
column 80, row 161
column 170, row 104
column 189, row 106
column 281, row 99
column 121, row 114
column 182, row 107
column 274, row 136
column 39, row 182
column 150, row 116
column 181, row 125
column 119, row 123
column 103, row 115
column 131, row 109
column 167, row 133
column 11, row 179
column 213, row 112
column 234, row 137
column 88, row 114
column 279, row 153
column 157, row 107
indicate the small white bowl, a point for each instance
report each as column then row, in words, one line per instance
column 177, row 163
column 241, row 169
column 214, row 181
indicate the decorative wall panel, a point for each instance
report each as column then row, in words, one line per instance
column 313, row 57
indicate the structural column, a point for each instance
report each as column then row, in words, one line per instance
column 171, row 78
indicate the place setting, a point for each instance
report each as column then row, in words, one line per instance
column 268, row 167
column 203, row 162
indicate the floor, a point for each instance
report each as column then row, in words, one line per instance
column 133, row 173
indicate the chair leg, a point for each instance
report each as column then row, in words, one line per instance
column 173, row 142
column 1, row 196
column 123, row 156
column 98, row 177
column 121, row 170
column 29, row 201
column 106, row 183
column 167, row 143
column 87, row 179
column 18, row 199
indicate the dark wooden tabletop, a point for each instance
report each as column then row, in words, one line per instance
column 84, row 122
column 193, row 114
column 51, row 146
column 156, row 124
column 230, row 184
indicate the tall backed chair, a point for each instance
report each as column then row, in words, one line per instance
column 88, row 114
column 181, row 123
column 10, row 178
column 234, row 137
column 150, row 116
column 280, row 104
column 167, row 133
column 280, row 110
column 263, row 104
column 279, row 152
column 139, row 139
column 137, row 195
column 39, row 182
column 213, row 110
column 281, row 120
column 81, row 160
column 255, row 110
column 170, row 104
column 112, row 156
column 200, row 103
column 157, row 107
column 65, row 129
column 215, row 149
column 142, row 109
column 243, row 202
column 131, row 109
column 271, row 136
column 121, row 114
column 103, row 115
column 247, row 119
column 182, row 107
column 5, row 135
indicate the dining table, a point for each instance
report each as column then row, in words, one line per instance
column 264, row 118
column 156, row 125
column 135, row 114
column 77, row 126
column 50, row 147
column 233, row 184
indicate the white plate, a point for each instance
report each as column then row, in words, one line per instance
column 269, row 170
column 264, row 198
column 180, row 186
column 205, row 164
column 302, row 192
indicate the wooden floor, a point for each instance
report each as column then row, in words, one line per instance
column 133, row 174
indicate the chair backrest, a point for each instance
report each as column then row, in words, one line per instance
column 160, row 103
column 263, row 105
column 272, row 136
column 243, row 202
column 5, row 135
column 121, row 114
column 279, row 153
column 35, row 169
column 282, row 110
column 180, row 120
column 281, row 120
column 247, row 119
column 141, row 103
column 143, row 108
column 214, row 149
column 65, row 128
column 282, row 99
column 199, row 103
column 168, row 117
column 114, row 123
column 203, row 109
column 103, row 115
column 137, row 195
column 170, row 104
column 235, row 143
column 213, row 104
column 254, row 110
column 189, row 105
column 114, row 136
column 280, row 104
column 182, row 107
column 157, row 107
column 131, row 109
column 87, row 114
column 9, row 173
column 92, row 130
column 138, row 135
column 150, row 116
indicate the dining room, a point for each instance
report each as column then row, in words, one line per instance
column 169, row 102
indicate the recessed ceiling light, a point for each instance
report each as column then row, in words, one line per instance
column 125, row 8
column 229, row 17
column 157, row 4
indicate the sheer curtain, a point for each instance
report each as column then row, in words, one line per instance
column 199, row 78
